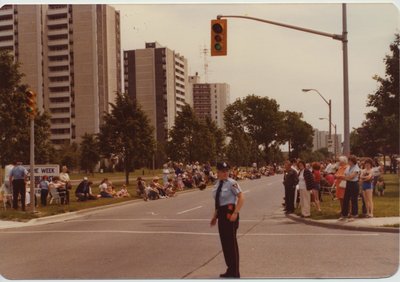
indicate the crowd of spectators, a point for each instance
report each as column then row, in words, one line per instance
column 348, row 180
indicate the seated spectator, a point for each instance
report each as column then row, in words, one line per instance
column 123, row 193
column 153, row 192
column 60, row 186
column 187, row 180
column 141, row 189
column 169, row 188
column 103, row 185
column 179, row 182
column 159, row 187
column 83, row 191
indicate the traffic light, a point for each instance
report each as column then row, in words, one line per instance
column 219, row 40
column 30, row 103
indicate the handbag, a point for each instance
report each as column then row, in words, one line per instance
column 342, row 184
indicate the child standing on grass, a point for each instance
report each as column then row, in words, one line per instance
column 380, row 186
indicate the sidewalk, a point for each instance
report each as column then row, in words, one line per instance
column 376, row 224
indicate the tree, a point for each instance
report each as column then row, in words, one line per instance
column 180, row 146
column 238, row 150
column 195, row 140
column 379, row 133
column 298, row 133
column 127, row 133
column 89, row 152
column 14, row 120
column 260, row 119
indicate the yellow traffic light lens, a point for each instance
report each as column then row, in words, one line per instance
column 218, row 47
column 218, row 38
column 217, row 28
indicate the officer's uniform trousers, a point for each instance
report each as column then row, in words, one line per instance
column 227, row 233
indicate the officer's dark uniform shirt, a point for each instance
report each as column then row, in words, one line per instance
column 230, row 189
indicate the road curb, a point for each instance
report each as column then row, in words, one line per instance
column 71, row 215
column 343, row 227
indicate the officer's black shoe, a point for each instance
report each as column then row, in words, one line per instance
column 228, row 275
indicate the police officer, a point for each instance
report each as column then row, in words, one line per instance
column 228, row 202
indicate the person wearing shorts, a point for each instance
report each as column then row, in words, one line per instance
column 366, row 179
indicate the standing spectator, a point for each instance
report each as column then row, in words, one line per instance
column 367, row 178
column 8, row 191
column 290, row 180
column 377, row 170
column 64, row 177
column 17, row 179
column 380, row 185
column 352, row 189
column 340, row 182
column 306, row 184
column 317, row 184
column 393, row 164
column 165, row 174
column 44, row 190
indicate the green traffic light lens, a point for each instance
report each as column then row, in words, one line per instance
column 217, row 28
column 218, row 47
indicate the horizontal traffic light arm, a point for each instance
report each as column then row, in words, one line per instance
column 333, row 36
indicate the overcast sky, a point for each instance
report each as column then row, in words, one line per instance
column 271, row 61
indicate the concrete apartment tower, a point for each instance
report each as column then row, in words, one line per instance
column 210, row 100
column 157, row 78
column 320, row 140
column 71, row 58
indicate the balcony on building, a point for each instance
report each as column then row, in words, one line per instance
column 6, row 18
column 66, row 136
column 57, row 9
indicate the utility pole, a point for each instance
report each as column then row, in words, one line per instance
column 32, row 164
column 341, row 37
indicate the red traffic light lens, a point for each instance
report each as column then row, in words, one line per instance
column 217, row 28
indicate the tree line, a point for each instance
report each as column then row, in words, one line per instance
column 379, row 133
column 254, row 130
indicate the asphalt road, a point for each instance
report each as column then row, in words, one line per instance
column 171, row 238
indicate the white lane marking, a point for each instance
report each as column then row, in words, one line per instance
column 244, row 192
column 311, row 234
column 155, row 219
column 185, row 211
column 182, row 233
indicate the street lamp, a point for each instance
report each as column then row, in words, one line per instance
column 334, row 126
column 329, row 105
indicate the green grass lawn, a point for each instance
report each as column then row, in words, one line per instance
column 385, row 206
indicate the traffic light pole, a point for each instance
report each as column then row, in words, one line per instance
column 32, row 164
column 341, row 37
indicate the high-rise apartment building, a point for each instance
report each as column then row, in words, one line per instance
column 210, row 100
column 70, row 55
column 320, row 140
column 156, row 77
